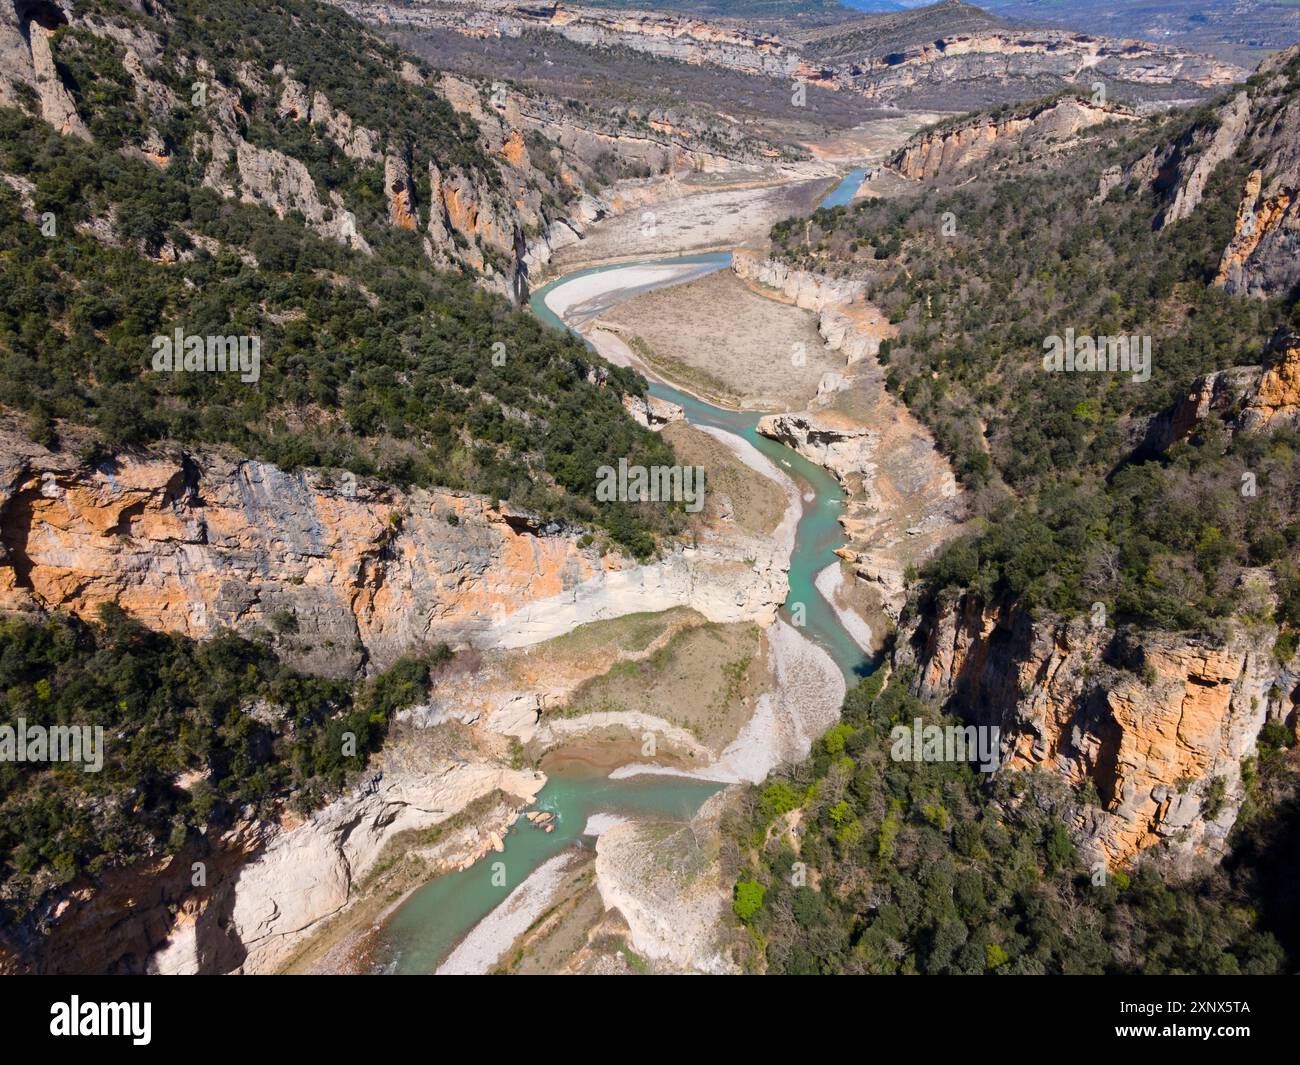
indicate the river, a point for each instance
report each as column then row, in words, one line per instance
column 425, row 928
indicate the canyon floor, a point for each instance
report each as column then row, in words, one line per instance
column 668, row 690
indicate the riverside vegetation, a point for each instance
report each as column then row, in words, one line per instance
column 851, row 862
column 929, row 867
column 376, row 363
column 198, row 736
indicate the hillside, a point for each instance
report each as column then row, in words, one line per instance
column 1240, row 31
column 1125, row 609
column 974, row 309
column 800, row 11
column 894, row 32
column 351, row 253
column 944, row 56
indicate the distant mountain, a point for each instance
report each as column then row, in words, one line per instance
column 1233, row 29
column 947, row 56
column 798, row 10
column 883, row 5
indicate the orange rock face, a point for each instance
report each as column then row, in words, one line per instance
column 513, row 150
column 945, row 151
column 401, row 192
column 197, row 544
column 402, row 215
column 1276, row 401
column 1162, row 744
column 1257, row 217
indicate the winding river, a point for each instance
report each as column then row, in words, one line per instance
column 427, row 926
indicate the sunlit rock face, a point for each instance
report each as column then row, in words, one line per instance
column 1158, row 723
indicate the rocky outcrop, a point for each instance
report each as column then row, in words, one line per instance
column 841, row 445
column 27, row 69
column 903, row 500
column 1274, row 403
column 549, row 151
column 246, row 898
column 670, row 36
column 949, row 150
column 499, row 209
column 1258, row 128
column 652, row 412
column 1246, row 398
column 1266, row 235
column 400, row 190
column 462, row 206
column 1217, row 148
column 300, row 104
column 803, row 288
column 57, row 107
column 308, row 873
column 1157, row 723
column 846, row 320
column 267, row 177
column 991, row 67
column 1263, row 257
column 197, row 542
column 988, row 60
column 1217, row 393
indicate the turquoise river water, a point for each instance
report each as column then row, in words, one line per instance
column 428, row 925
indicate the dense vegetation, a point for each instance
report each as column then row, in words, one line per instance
column 1075, row 512
column 822, row 10
column 195, row 736
column 926, row 867
column 854, row 862
column 358, row 72
column 373, row 363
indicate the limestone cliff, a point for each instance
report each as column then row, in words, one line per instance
column 1246, row 398
column 1258, row 130
column 949, row 150
column 499, row 200
column 197, row 542
column 1157, row 723
column 1275, row 401
column 904, row 57
column 27, row 70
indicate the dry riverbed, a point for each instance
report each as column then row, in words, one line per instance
column 720, row 340
column 707, row 213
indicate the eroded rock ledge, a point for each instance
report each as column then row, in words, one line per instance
column 197, row 542
column 1157, row 723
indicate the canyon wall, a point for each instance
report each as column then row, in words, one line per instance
column 352, row 572
column 499, row 215
column 885, row 57
column 1259, row 130
column 1157, row 723
column 953, row 148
